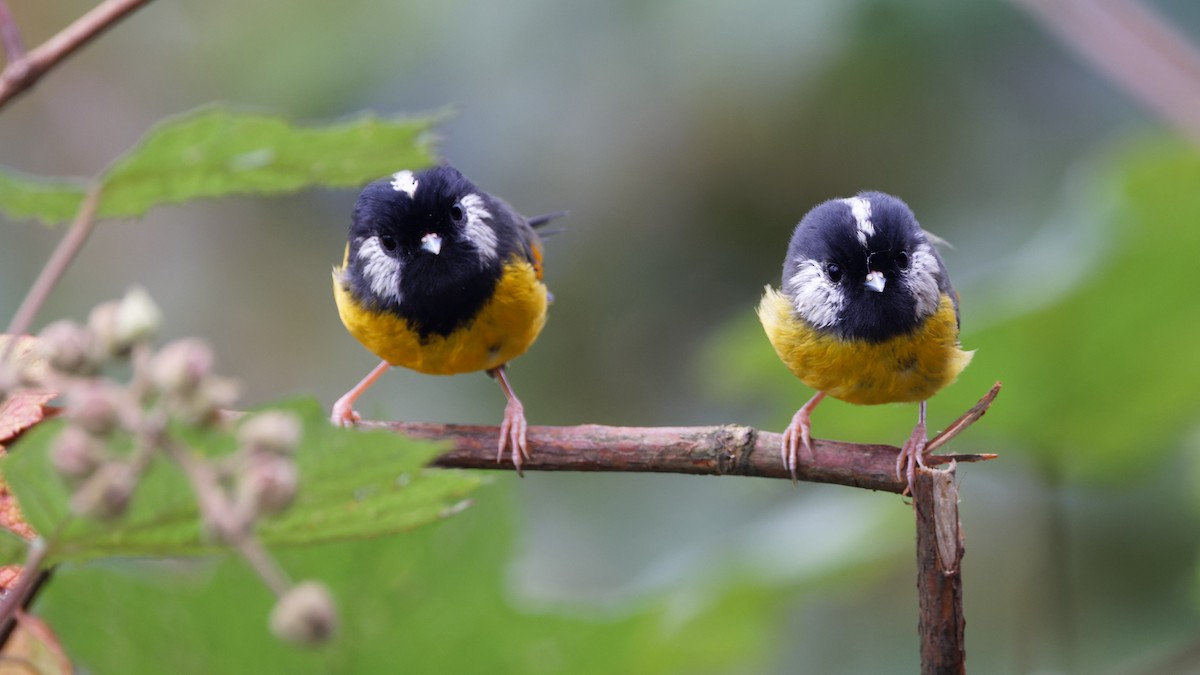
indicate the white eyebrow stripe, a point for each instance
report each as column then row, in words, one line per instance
column 381, row 270
column 478, row 232
column 861, row 210
column 406, row 182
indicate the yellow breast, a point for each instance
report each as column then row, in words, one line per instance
column 504, row 328
column 905, row 368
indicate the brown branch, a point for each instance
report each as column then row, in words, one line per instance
column 14, row 46
column 1135, row 48
column 32, row 576
column 59, row 260
column 939, row 573
column 716, row 450
column 24, row 72
column 960, row 425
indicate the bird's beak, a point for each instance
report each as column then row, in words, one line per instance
column 875, row 281
column 432, row 242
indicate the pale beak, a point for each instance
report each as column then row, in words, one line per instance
column 875, row 281
column 432, row 242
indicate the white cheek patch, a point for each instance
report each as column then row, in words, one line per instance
column 406, row 182
column 921, row 280
column 479, row 232
column 817, row 299
column 381, row 271
column 861, row 210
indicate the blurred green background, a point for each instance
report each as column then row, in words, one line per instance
column 686, row 139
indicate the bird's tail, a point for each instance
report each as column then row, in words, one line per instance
column 539, row 221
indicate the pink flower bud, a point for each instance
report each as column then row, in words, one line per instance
column 305, row 615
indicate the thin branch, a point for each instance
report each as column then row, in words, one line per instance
column 23, row 73
column 10, row 34
column 1136, row 49
column 31, row 573
column 959, row 425
column 939, row 573
column 717, row 450
column 63, row 254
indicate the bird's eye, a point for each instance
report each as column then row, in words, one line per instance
column 388, row 242
column 834, row 271
column 902, row 260
column 457, row 214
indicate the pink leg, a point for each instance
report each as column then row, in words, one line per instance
column 912, row 454
column 343, row 411
column 512, row 429
column 798, row 434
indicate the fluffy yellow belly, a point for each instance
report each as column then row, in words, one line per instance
column 905, row 368
column 503, row 329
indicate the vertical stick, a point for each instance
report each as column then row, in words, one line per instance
column 939, row 572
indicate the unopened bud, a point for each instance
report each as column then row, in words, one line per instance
column 305, row 615
column 76, row 454
column 138, row 318
column 202, row 406
column 267, row 486
column 102, row 322
column 106, row 494
column 92, row 405
column 67, row 347
column 180, row 367
column 274, row 431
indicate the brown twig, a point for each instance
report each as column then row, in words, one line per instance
column 939, row 574
column 10, row 34
column 717, row 450
column 1135, row 48
column 959, row 425
column 31, row 574
column 22, row 73
column 59, row 260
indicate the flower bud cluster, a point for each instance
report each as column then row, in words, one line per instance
column 172, row 387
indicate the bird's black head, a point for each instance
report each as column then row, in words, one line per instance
column 863, row 268
column 428, row 246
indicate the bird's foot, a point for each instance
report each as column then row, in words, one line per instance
column 912, row 455
column 512, row 433
column 343, row 413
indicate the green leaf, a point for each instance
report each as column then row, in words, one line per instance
column 12, row 548
column 1096, row 384
column 51, row 200
column 352, row 485
column 215, row 151
column 432, row 602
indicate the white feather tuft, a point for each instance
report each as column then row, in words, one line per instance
column 406, row 182
column 479, row 232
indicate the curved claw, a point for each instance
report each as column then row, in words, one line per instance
column 798, row 435
column 513, row 428
column 794, row 437
column 912, row 454
column 513, row 433
column 343, row 413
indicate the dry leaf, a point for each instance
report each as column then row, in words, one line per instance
column 8, row 576
column 10, row 513
column 34, row 648
column 26, row 406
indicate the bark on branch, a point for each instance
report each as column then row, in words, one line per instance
column 716, row 450
column 939, row 573
column 23, row 71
